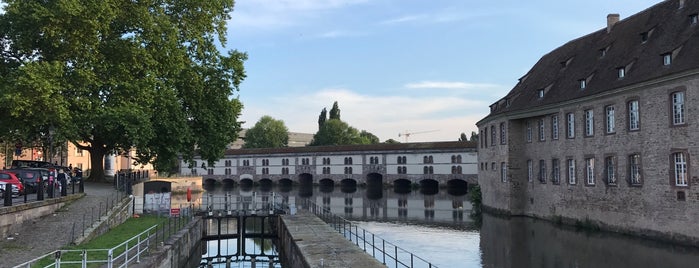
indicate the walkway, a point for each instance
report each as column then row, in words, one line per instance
column 52, row 232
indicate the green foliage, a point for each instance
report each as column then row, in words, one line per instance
column 368, row 138
column 335, row 111
column 463, row 137
column 267, row 133
column 115, row 75
column 474, row 136
column 391, row 141
column 336, row 132
column 476, row 197
column 322, row 118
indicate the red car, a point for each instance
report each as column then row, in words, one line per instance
column 11, row 177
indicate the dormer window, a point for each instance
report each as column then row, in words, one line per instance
column 583, row 83
column 644, row 37
column 541, row 93
column 602, row 52
column 693, row 19
column 667, row 59
column 621, row 72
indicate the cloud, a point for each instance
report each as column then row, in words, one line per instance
column 339, row 33
column 254, row 15
column 384, row 116
column 449, row 85
column 404, row 19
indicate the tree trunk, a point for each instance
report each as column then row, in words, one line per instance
column 97, row 164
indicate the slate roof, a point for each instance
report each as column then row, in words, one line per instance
column 668, row 29
column 449, row 145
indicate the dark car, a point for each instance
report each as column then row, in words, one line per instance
column 31, row 177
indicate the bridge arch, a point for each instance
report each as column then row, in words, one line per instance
column 429, row 187
column 266, row 184
column 457, row 187
column 402, row 186
column 305, row 185
column 326, row 185
column 348, row 186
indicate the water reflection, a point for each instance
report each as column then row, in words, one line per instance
column 525, row 242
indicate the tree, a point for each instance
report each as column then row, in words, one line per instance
column 115, row 75
column 335, row 111
column 474, row 136
column 463, row 137
column 267, row 133
column 336, row 132
column 368, row 138
column 391, row 141
column 322, row 118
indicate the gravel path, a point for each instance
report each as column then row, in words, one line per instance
column 54, row 231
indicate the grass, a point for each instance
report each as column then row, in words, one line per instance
column 97, row 248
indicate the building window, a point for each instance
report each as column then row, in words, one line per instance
column 680, row 168
column 530, row 170
column 589, row 123
column 571, row 172
column 492, row 135
column 610, row 169
column 541, row 93
column 503, row 172
column 485, row 137
column 583, row 83
column 503, row 138
column 590, row 171
column 667, row 59
column 492, row 166
column 529, row 131
column 610, row 122
column 693, row 19
column 644, row 37
column 621, row 72
column 79, row 152
column 554, row 127
column 570, row 130
column 603, row 52
column 210, row 171
column 634, row 120
column 678, row 108
column 635, row 169
column 542, row 134
column 348, row 170
column 542, row 171
column 555, row 172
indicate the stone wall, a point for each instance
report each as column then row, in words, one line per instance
column 181, row 250
column 653, row 208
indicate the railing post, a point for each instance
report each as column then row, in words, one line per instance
column 138, row 249
column 84, row 260
column 109, row 258
column 57, row 256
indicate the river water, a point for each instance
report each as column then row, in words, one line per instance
column 437, row 226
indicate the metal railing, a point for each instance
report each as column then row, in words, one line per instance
column 388, row 253
column 128, row 252
column 263, row 203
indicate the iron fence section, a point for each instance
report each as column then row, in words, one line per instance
column 388, row 253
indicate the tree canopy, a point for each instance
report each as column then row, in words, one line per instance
column 333, row 131
column 267, row 133
column 114, row 75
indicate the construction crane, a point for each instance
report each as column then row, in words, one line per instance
column 407, row 134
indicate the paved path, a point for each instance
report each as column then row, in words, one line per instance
column 54, row 231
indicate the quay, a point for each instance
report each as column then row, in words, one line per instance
column 309, row 242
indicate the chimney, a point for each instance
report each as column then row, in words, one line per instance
column 611, row 20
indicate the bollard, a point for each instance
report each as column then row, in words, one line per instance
column 8, row 194
column 64, row 186
column 82, row 186
column 40, row 191
column 50, row 190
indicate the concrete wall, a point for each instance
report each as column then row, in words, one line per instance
column 15, row 215
column 181, row 250
column 650, row 209
column 114, row 217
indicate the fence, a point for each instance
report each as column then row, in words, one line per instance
column 128, row 252
column 388, row 253
column 92, row 216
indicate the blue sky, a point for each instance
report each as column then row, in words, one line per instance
column 398, row 66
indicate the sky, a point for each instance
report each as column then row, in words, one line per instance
column 429, row 68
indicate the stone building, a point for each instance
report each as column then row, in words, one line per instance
column 600, row 131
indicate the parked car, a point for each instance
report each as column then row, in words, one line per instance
column 10, row 177
column 30, row 164
column 31, row 177
column 15, row 189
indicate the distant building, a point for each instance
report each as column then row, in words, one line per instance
column 601, row 130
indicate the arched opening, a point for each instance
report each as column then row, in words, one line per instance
column 429, row 187
column 348, row 186
column 266, row 185
column 326, row 185
column 374, row 183
column 457, row 187
column 402, row 186
column 228, row 183
column 285, row 185
column 246, row 184
column 305, row 185
column 209, row 184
